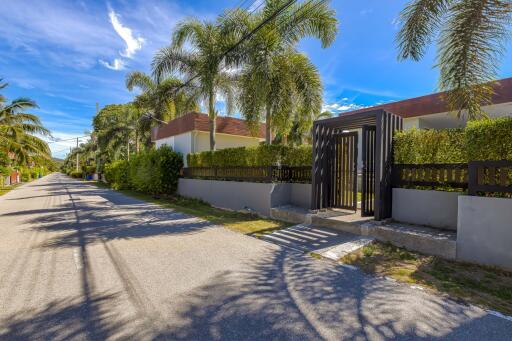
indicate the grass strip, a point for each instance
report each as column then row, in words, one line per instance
column 484, row 286
column 246, row 223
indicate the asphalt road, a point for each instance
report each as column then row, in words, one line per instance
column 79, row 262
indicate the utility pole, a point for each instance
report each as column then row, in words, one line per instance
column 97, row 145
column 77, row 155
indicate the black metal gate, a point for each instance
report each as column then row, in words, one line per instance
column 368, row 176
column 344, row 191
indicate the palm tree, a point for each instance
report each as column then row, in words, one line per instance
column 161, row 98
column 119, row 131
column 272, row 80
column 293, row 97
column 470, row 37
column 202, row 65
column 17, row 129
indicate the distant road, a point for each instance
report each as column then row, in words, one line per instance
column 79, row 262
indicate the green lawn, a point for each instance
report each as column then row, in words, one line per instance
column 484, row 286
column 242, row 222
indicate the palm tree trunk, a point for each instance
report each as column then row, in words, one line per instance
column 137, row 147
column 128, row 149
column 212, row 116
column 268, row 125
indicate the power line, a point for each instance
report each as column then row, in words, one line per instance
column 70, row 139
column 244, row 38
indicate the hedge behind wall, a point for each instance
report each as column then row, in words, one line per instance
column 481, row 140
column 262, row 155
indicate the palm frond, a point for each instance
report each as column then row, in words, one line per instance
column 420, row 21
column 470, row 47
column 140, row 80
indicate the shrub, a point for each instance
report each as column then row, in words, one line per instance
column 430, row 146
column 116, row 174
column 489, row 139
column 481, row 140
column 262, row 155
column 77, row 174
column 155, row 171
column 90, row 170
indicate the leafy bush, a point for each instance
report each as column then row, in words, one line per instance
column 489, row 139
column 76, row 174
column 155, row 171
column 430, row 146
column 116, row 174
column 90, row 170
column 262, row 155
column 480, row 140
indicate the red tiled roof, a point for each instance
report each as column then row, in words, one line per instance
column 198, row 121
column 434, row 103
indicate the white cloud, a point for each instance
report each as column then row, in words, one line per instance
column 117, row 64
column 342, row 106
column 133, row 44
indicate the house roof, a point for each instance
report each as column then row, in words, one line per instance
column 199, row 121
column 434, row 103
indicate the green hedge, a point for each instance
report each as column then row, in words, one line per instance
column 155, row 171
column 262, row 155
column 116, row 174
column 430, row 146
column 480, row 140
column 489, row 139
column 76, row 174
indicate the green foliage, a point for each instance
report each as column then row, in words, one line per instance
column 116, row 174
column 470, row 36
column 76, row 174
column 155, row 171
column 262, row 155
column 489, row 139
column 430, row 146
column 480, row 140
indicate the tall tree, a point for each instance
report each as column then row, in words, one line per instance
column 162, row 99
column 271, row 65
column 470, row 37
column 119, row 131
column 18, row 129
column 202, row 65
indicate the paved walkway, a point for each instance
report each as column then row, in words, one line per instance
column 78, row 262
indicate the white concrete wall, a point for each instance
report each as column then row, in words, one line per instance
column 424, row 207
column 300, row 195
column 484, row 231
column 235, row 195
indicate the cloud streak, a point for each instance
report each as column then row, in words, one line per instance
column 133, row 44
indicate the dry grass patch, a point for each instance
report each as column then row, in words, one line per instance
column 484, row 286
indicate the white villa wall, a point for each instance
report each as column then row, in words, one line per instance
column 202, row 141
column 199, row 141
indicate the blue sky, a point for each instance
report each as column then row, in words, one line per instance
column 67, row 55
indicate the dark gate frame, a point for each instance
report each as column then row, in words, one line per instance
column 385, row 124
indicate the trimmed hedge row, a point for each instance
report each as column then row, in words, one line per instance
column 155, row 171
column 262, row 155
column 480, row 140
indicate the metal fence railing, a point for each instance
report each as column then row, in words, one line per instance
column 454, row 175
column 490, row 177
column 296, row 174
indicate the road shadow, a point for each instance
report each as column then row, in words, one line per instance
column 289, row 296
